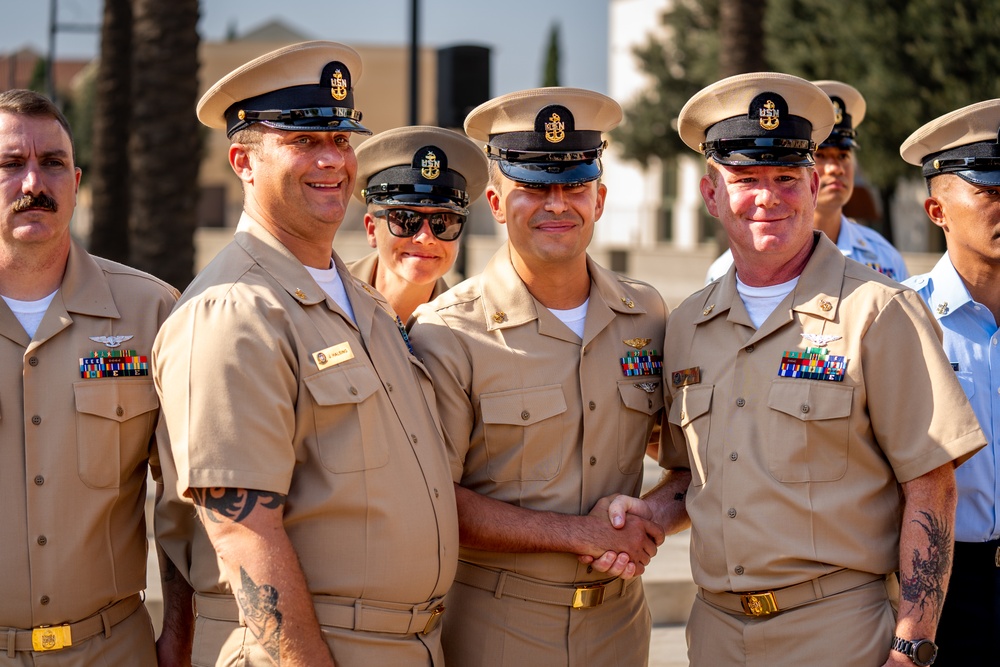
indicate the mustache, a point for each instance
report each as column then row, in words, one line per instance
column 39, row 201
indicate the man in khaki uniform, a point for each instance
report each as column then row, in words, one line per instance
column 302, row 429
column 836, row 161
column 960, row 159
column 78, row 414
column 810, row 400
column 548, row 384
column 407, row 177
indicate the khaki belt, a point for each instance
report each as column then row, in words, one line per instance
column 55, row 637
column 763, row 603
column 334, row 612
column 503, row 583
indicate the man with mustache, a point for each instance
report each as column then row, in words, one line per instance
column 547, row 375
column 836, row 162
column 78, row 414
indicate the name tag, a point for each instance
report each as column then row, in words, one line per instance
column 332, row 356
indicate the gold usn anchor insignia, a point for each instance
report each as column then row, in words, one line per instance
column 555, row 129
column 430, row 166
column 338, row 86
column 769, row 116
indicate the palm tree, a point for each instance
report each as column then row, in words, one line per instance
column 109, row 163
column 164, row 149
column 741, row 36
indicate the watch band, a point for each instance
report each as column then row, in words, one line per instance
column 921, row 652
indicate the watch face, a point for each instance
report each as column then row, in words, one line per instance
column 924, row 652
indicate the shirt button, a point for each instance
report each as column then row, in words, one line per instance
column 33, row 361
column 525, row 415
column 436, row 494
column 732, row 512
column 388, row 385
column 119, row 411
column 44, row 599
column 738, row 569
column 592, row 405
column 740, row 402
column 354, row 391
column 733, row 456
column 39, row 480
column 413, row 437
column 748, row 349
column 683, row 415
column 804, row 408
column 36, row 420
column 590, row 568
column 593, row 460
column 42, row 540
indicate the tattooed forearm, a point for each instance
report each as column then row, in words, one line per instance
column 218, row 504
column 924, row 586
column 260, row 609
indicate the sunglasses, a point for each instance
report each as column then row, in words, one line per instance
column 405, row 223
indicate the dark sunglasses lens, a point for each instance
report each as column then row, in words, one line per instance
column 405, row 223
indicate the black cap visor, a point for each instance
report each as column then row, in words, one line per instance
column 551, row 173
column 760, row 151
column 978, row 170
column 312, row 119
column 417, row 195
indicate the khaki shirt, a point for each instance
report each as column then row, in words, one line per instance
column 75, row 451
column 794, row 477
column 532, row 415
column 351, row 441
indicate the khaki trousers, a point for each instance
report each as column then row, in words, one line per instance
column 481, row 630
column 851, row 628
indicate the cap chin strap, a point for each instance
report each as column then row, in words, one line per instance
column 949, row 165
column 516, row 155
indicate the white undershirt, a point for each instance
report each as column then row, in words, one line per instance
column 574, row 318
column 330, row 281
column 760, row 302
column 30, row 313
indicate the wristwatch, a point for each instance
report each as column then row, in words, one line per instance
column 922, row 652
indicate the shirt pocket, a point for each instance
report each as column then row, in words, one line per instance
column 525, row 433
column 114, row 424
column 351, row 434
column 809, row 430
column 691, row 414
column 635, row 423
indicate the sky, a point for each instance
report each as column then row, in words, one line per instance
column 515, row 30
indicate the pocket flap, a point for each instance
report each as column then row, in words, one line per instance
column 637, row 398
column 118, row 400
column 692, row 402
column 342, row 384
column 810, row 399
column 523, row 407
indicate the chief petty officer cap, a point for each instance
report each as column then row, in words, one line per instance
column 421, row 166
column 302, row 86
column 546, row 135
column 849, row 110
column 761, row 118
column 963, row 142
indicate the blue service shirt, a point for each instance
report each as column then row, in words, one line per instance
column 972, row 343
column 860, row 243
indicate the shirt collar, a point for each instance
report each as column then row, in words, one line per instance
column 948, row 293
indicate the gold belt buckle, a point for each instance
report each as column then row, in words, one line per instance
column 586, row 597
column 759, row 604
column 434, row 619
column 51, row 638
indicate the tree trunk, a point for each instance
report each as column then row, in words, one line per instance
column 164, row 151
column 741, row 37
column 109, row 177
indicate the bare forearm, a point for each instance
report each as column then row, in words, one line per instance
column 173, row 647
column 667, row 501
column 263, row 570
column 925, row 551
column 492, row 525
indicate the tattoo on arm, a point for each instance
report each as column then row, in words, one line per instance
column 925, row 587
column 260, row 610
column 679, row 496
column 218, row 504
